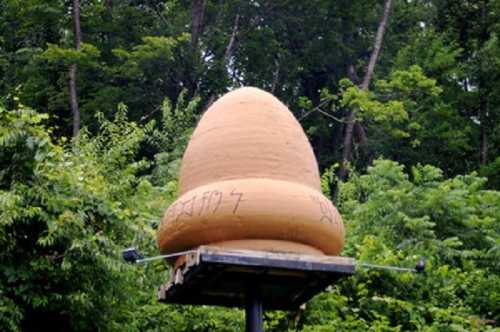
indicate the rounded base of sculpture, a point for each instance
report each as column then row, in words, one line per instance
column 253, row 213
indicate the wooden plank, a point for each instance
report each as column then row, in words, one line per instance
column 203, row 250
column 218, row 276
column 277, row 260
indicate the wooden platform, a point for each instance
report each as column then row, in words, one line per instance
column 216, row 276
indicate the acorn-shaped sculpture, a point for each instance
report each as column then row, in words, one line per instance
column 249, row 180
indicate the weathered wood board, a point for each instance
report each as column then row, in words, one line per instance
column 216, row 276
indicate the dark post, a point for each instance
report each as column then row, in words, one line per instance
column 253, row 311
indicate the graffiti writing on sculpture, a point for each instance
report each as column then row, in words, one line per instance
column 210, row 201
column 207, row 203
column 325, row 207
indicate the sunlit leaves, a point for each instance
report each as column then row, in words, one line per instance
column 154, row 54
column 67, row 214
column 393, row 218
column 86, row 56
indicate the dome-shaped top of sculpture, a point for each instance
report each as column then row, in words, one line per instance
column 248, row 133
column 249, row 180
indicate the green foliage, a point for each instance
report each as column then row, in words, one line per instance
column 86, row 56
column 436, row 77
column 432, row 52
column 399, row 108
column 492, row 172
column 154, row 317
column 67, row 211
column 67, row 208
column 170, row 138
column 66, row 214
column 431, row 128
column 393, row 218
column 363, row 103
column 154, row 55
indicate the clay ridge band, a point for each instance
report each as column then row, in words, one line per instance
column 252, row 208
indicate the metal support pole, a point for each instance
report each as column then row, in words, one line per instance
column 253, row 311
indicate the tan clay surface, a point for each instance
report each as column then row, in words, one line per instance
column 249, row 180
column 268, row 245
column 248, row 133
column 252, row 209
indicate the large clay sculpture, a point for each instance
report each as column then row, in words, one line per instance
column 249, row 180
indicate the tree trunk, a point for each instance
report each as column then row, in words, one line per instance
column 276, row 76
column 232, row 40
column 197, row 12
column 229, row 51
column 483, row 92
column 483, row 119
column 359, row 131
column 379, row 38
column 359, row 134
column 74, row 100
column 73, row 70
column 351, row 117
column 352, row 74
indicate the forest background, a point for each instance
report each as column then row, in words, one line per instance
column 399, row 98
